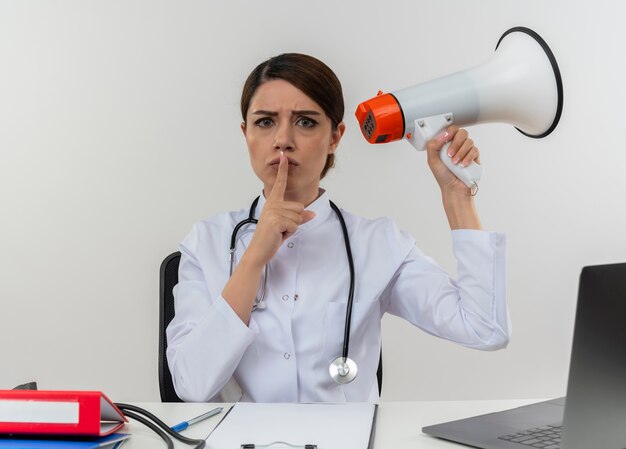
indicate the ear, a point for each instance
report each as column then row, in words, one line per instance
column 243, row 128
column 336, row 136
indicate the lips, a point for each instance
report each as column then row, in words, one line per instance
column 276, row 161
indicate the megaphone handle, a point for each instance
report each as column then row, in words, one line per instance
column 427, row 128
column 470, row 175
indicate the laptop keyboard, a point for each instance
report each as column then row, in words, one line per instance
column 545, row 437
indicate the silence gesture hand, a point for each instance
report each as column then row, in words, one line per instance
column 279, row 219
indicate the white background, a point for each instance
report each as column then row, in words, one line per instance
column 119, row 129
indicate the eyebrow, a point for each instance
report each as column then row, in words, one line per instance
column 274, row 114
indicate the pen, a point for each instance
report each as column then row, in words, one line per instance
column 183, row 425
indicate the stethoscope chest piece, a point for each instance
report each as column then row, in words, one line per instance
column 343, row 370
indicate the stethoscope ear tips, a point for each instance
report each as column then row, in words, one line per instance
column 343, row 370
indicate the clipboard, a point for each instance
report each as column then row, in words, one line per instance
column 328, row 426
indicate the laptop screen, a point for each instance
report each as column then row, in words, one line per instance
column 595, row 411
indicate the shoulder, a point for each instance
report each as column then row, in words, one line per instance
column 216, row 227
column 221, row 220
column 381, row 229
column 378, row 244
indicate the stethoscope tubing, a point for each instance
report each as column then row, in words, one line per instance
column 346, row 239
column 249, row 220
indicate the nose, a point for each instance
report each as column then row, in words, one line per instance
column 283, row 138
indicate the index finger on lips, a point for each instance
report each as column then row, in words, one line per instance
column 280, row 184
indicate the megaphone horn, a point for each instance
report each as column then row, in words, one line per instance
column 520, row 85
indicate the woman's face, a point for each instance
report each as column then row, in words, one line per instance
column 282, row 118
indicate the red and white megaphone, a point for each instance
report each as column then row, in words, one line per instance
column 521, row 85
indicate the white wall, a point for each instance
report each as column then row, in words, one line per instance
column 119, row 129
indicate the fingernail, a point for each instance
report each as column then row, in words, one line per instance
column 282, row 154
column 455, row 161
column 443, row 136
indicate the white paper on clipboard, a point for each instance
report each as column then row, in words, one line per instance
column 329, row 426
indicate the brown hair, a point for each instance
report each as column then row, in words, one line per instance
column 306, row 73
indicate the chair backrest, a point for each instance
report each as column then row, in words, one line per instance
column 168, row 279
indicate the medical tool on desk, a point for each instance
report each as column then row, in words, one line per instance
column 278, row 443
column 183, row 425
column 521, row 85
column 158, row 426
column 343, row 370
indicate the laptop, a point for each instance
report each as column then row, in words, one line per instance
column 593, row 414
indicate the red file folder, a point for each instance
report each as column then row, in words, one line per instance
column 41, row 412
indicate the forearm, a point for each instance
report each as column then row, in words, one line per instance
column 241, row 289
column 461, row 210
column 205, row 346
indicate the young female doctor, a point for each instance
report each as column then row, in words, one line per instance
column 269, row 325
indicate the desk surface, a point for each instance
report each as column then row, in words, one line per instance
column 398, row 424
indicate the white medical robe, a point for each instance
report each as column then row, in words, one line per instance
column 284, row 353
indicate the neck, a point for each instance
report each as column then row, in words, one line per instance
column 304, row 197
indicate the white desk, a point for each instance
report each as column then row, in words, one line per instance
column 398, row 424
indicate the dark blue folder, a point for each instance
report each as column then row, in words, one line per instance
column 112, row 441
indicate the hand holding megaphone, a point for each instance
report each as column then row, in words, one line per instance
column 521, row 85
column 454, row 159
column 432, row 127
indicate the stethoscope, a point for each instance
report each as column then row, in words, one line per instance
column 343, row 369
